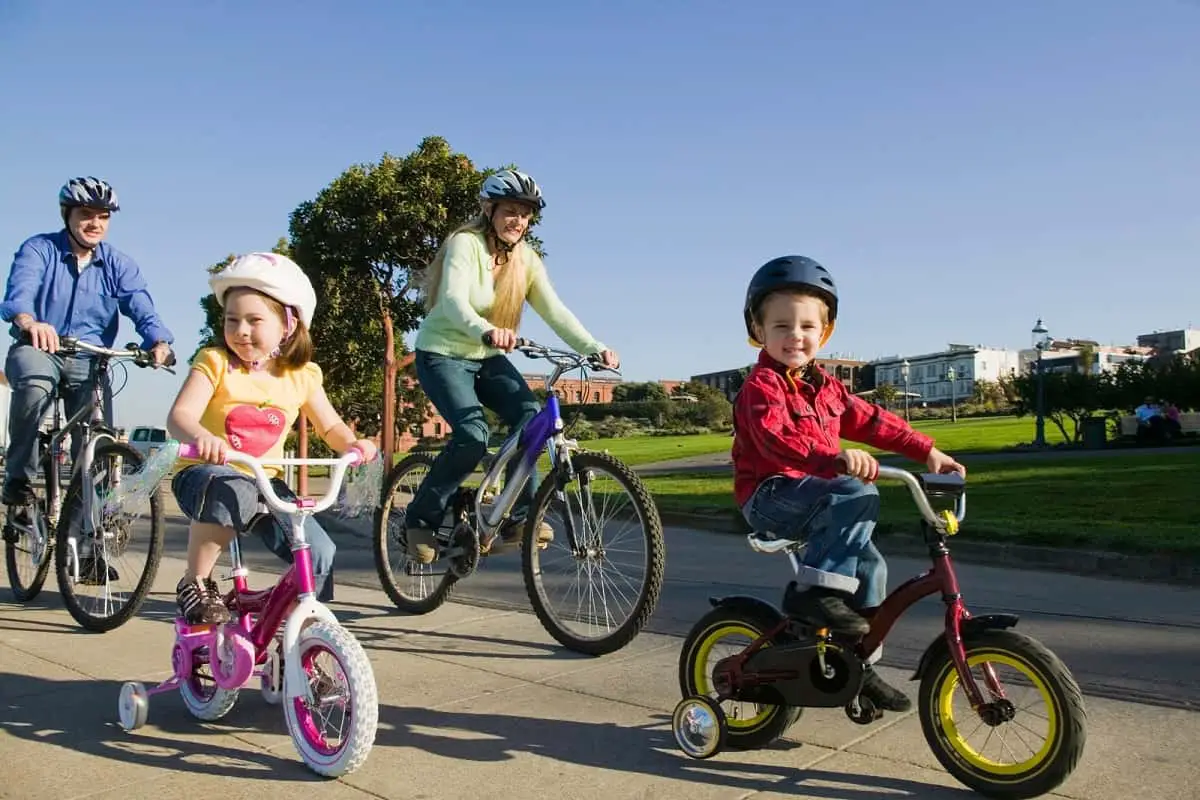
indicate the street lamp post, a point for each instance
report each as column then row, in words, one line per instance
column 953, row 397
column 1041, row 342
column 904, row 377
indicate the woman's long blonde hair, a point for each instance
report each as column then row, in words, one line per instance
column 511, row 279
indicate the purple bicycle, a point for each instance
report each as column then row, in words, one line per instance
column 595, row 585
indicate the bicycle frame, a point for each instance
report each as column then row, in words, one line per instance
column 544, row 430
column 941, row 577
column 293, row 597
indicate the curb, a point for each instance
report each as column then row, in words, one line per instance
column 1180, row 570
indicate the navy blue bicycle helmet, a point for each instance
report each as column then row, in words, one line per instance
column 90, row 192
column 796, row 272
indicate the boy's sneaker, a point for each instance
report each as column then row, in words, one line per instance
column 885, row 696
column 422, row 546
column 200, row 603
column 825, row 608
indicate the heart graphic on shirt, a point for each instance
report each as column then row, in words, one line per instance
column 254, row 429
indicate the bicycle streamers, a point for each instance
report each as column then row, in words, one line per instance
column 360, row 490
column 133, row 492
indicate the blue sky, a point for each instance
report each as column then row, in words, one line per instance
column 962, row 168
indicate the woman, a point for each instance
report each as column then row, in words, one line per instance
column 475, row 289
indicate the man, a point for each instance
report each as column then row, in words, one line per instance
column 68, row 283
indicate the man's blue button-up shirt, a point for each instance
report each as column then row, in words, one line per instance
column 45, row 282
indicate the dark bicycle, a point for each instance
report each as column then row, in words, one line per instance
column 93, row 546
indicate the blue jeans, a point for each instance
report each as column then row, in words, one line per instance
column 459, row 388
column 222, row 495
column 35, row 375
column 835, row 518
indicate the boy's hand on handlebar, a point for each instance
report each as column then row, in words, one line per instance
column 859, row 464
column 210, row 448
column 939, row 464
column 501, row 338
column 367, row 448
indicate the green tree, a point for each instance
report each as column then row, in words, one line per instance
column 372, row 231
column 886, row 394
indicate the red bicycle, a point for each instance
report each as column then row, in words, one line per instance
column 994, row 742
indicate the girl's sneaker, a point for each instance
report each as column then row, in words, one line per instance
column 200, row 603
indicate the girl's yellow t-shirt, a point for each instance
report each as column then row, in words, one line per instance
column 253, row 411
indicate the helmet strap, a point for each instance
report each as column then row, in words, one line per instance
column 66, row 215
column 503, row 248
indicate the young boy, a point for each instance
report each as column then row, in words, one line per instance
column 788, row 419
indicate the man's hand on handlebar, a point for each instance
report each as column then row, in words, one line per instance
column 162, row 355
column 858, row 464
column 501, row 339
column 939, row 464
column 42, row 335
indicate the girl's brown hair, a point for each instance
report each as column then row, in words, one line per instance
column 296, row 350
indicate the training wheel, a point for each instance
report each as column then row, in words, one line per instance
column 862, row 711
column 134, row 706
column 699, row 726
column 272, row 681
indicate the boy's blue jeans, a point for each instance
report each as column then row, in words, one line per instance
column 835, row 518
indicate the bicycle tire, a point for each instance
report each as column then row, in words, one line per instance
column 652, row 533
column 72, row 507
column 383, row 539
column 21, row 593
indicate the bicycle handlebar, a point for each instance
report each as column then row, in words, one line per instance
column 353, row 457
column 939, row 484
column 563, row 358
column 139, row 356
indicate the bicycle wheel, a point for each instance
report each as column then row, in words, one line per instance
column 1007, row 749
column 27, row 554
column 414, row 587
column 719, row 634
column 104, row 552
column 603, row 618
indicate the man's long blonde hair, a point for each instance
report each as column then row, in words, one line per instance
column 511, row 279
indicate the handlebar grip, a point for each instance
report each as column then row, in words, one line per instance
column 188, row 450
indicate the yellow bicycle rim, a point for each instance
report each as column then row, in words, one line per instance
column 700, row 672
column 945, row 712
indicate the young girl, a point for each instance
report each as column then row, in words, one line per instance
column 246, row 396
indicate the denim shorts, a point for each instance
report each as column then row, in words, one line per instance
column 222, row 495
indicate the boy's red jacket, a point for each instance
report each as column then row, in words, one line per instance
column 785, row 425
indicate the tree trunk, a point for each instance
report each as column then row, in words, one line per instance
column 388, row 432
column 302, row 446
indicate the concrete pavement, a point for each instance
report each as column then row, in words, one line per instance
column 476, row 699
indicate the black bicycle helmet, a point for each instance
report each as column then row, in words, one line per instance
column 90, row 192
column 789, row 272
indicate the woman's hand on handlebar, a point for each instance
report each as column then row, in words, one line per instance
column 210, row 448
column 501, row 338
column 610, row 359
column 858, row 464
column 939, row 464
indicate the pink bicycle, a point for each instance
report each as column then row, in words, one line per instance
column 315, row 667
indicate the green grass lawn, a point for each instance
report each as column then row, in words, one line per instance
column 979, row 434
column 1121, row 502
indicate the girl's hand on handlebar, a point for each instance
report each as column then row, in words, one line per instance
column 367, row 448
column 501, row 338
column 939, row 464
column 210, row 448
column 859, row 464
